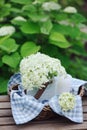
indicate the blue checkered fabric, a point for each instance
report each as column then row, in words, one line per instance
column 25, row 107
column 74, row 115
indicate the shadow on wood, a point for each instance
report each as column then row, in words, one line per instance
column 55, row 123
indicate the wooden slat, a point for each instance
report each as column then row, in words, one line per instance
column 6, row 121
column 59, row 123
column 85, row 109
column 4, row 105
column 84, row 99
column 85, row 116
column 6, row 112
column 48, row 126
column 10, row 120
column 4, row 98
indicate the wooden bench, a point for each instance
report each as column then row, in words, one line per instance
column 58, row 123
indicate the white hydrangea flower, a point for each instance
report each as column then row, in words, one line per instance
column 7, row 30
column 20, row 18
column 66, row 22
column 67, row 101
column 82, row 27
column 70, row 9
column 48, row 6
column 38, row 69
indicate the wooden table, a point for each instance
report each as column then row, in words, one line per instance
column 57, row 123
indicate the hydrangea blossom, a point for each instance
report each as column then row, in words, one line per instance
column 67, row 101
column 38, row 69
column 48, row 6
column 70, row 9
column 7, row 30
column 20, row 18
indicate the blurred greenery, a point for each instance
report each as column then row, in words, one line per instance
column 42, row 25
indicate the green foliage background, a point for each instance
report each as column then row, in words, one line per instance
column 54, row 32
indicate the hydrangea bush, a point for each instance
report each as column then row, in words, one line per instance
column 55, row 29
column 67, row 101
column 37, row 69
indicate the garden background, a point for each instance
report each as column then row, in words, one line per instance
column 57, row 28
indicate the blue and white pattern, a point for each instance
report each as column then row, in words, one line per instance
column 26, row 108
column 74, row 115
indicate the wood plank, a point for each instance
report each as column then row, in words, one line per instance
column 84, row 101
column 60, row 123
column 4, row 98
column 4, row 105
column 47, row 126
column 6, row 112
column 85, row 116
column 7, row 106
column 10, row 120
column 6, row 121
column 85, row 109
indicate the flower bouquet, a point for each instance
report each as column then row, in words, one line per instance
column 66, row 101
column 38, row 70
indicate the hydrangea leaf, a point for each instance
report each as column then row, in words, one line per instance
column 9, row 45
column 3, row 85
column 59, row 40
column 29, row 48
column 11, row 60
column 38, row 17
column 67, row 30
column 46, row 27
column 18, row 20
column 30, row 28
column 21, row 1
column 78, row 18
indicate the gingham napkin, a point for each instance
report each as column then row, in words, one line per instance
column 25, row 107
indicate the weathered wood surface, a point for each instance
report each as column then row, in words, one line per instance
column 58, row 123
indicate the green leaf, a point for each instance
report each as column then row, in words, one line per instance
column 2, row 2
column 9, row 45
column 2, row 39
column 3, row 85
column 5, row 10
column 60, row 16
column 22, row 1
column 60, row 28
column 46, row 27
column 11, row 60
column 50, row 50
column 83, row 36
column 18, row 22
column 38, row 17
column 73, row 32
column 29, row 48
column 1, row 64
column 16, row 10
column 59, row 40
column 29, row 8
column 40, row 1
column 78, row 49
column 30, row 28
column 78, row 18
column 78, row 68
